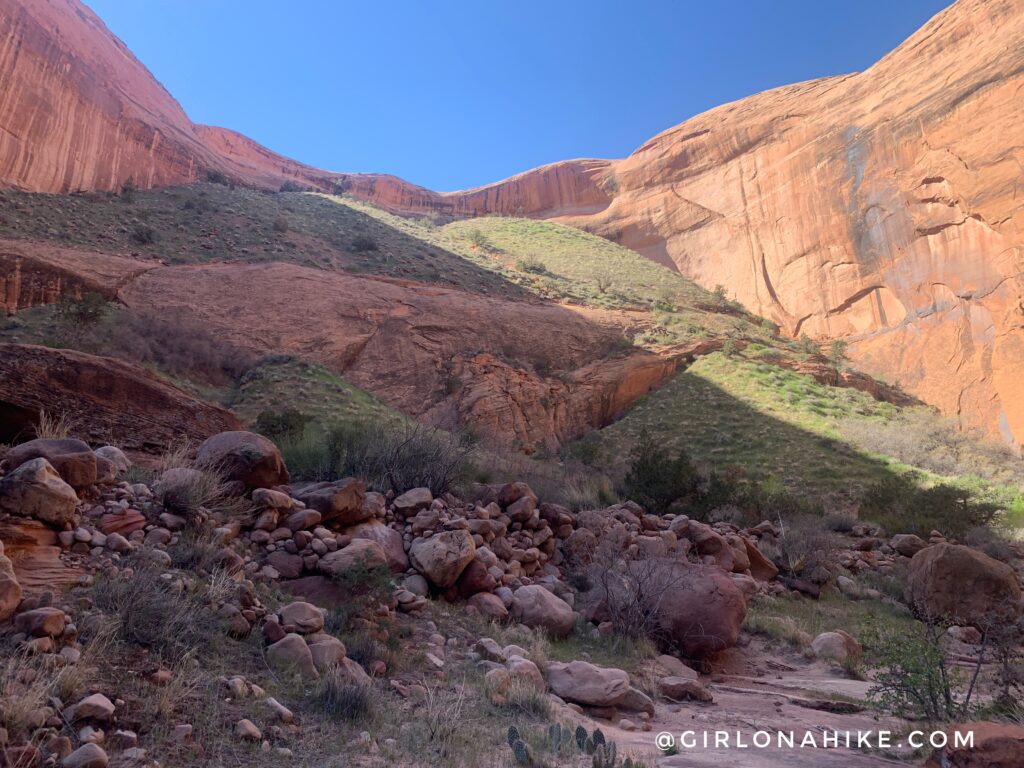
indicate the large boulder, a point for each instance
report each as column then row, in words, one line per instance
column 761, row 568
column 994, row 745
column 73, row 459
column 837, row 646
column 957, row 583
column 291, row 655
column 35, row 490
column 443, row 556
column 389, row 539
column 588, row 684
column 359, row 555
column 412, row 501
column 535, row 606
column 243, row 457
column 907, row 544
column 710, row 545
column 701, row 609
column 341, row 501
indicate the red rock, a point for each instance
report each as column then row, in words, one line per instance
column 963, row 584
column 475, row 579
column 996, row 745
column 244, row 457
column 114, row 401
column 122, row 522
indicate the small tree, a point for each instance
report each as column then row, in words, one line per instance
column 479, row 240
column 655, row 478
column 837, row 351
column 85, row 311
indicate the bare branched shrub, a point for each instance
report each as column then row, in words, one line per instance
column 631, row 586
column 807, row 549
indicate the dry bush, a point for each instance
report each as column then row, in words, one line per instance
column 806, row 549
column 338, row 698
column 50, row 425
column 172, row 342
column 146, row 610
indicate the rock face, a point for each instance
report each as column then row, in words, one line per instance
column 387, row 338
column 113, row 401
column 962, row 584
column 996, row 745
column 880, row 207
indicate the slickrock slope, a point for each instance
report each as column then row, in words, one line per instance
column 882, row 207
column 109, row 400
column 39, row 273
column 451, row 357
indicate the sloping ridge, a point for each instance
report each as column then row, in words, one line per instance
column 882, row 207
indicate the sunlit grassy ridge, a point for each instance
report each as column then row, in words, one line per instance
column 776, row 423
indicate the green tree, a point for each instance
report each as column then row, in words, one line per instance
column 656, row 478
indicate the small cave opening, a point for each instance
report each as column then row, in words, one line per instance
column 17, row 423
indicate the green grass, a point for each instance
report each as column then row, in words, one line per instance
column 284, row 382
column 798, row 621
column 743, row 410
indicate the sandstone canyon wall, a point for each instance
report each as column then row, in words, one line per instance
column 884, row 207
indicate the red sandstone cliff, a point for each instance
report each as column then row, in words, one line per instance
column 884, row 207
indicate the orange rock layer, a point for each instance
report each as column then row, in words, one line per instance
column 882, row 207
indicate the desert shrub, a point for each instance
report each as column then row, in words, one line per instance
column 389, row 457
column 340, row 699
column 900, row 506
column 143, row 234
column 807, row 345
column 342, row 185
column 837, row 351
column 291, row 186
column 216, row 177
column 914, row 677
column 146, row 610
column 655, row 479
column 479, row 240
column 281, row 424
column 363, row 244
column 531, row 264
column 364, row 587
column 807, row 549
column 58, row 425
column 925, row 439
column 128, row 189
column 170, row 342
column 191, row 492
column 87, row 310
column 281, row 224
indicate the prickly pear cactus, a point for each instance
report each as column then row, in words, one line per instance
column 581, row 737
column 522, row 752
column 512, row 735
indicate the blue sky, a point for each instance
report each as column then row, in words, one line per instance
column 451, row 94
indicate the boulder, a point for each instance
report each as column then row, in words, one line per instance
column 389, row 540
column 510, row 493
column 958, row 583
column 86, row 756
column 73, row 459
column 341, row 501
column 683, row 689
column 476, row 578
column 535, row 606
column 995, row 745
column 526, row 673
column 116, row 457
column 243, row 457
column 327, row 651
column 489, row 606
column 710, row 544
column 411, row 502
column 443, row 556
column 287, row 565
column 41, row 622
column 94, row 707
column 701, row 610
column 34, row 489
column 761, row 568
column 291, row 655
column 837, row 646
column 907, row 544
column 588, row 684
column 358, row 555
column 301, row 617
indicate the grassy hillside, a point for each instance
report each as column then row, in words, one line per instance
column 781, row 427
